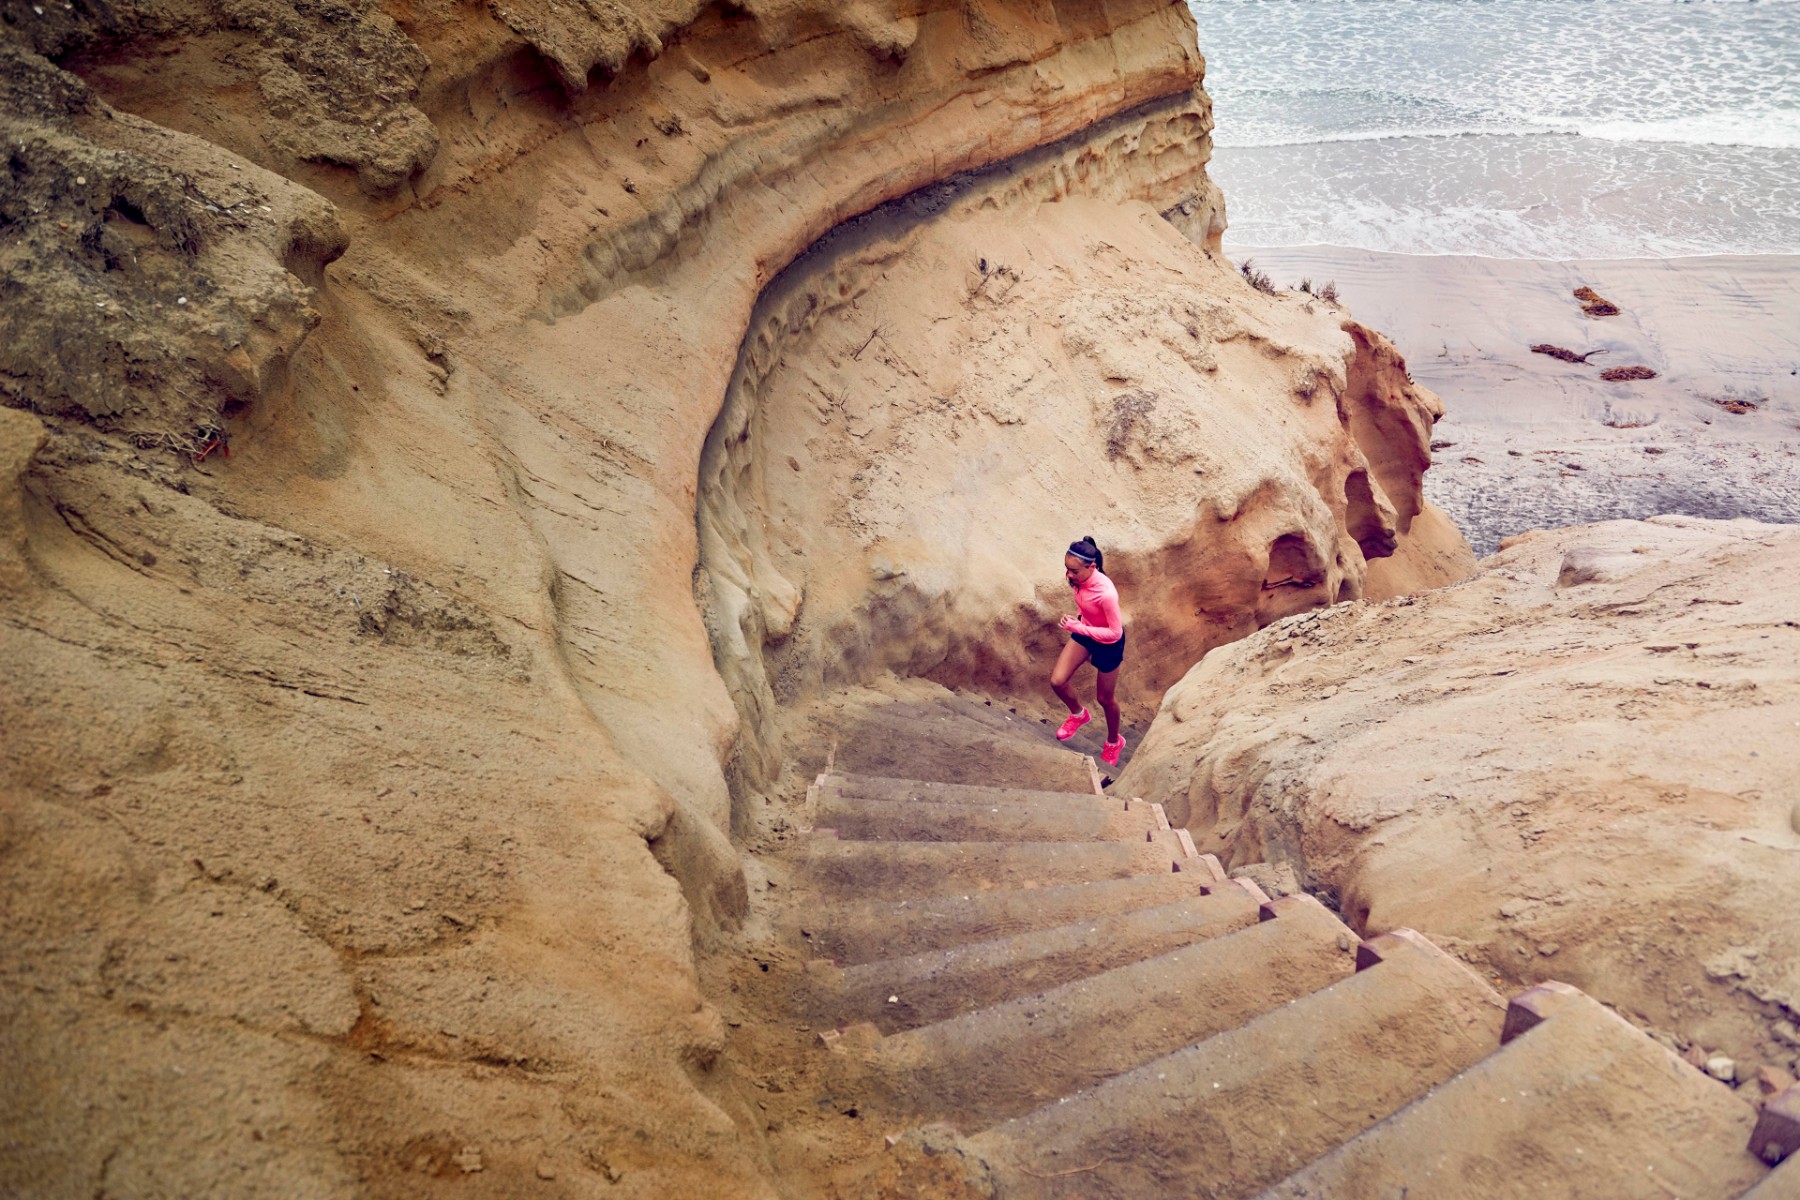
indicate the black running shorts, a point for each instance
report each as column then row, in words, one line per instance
column 1106, row 656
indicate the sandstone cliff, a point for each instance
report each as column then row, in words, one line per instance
column 940, row 401
column 365, row 777
column 1577, row 765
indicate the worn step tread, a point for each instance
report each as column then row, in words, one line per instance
column 1242, row 1109
column 905, row 993
column 862, row 819
column 1002, row 1061
column 881, row 787
column 1583, row 1107
column 842, row 868
column 859, row 931
column 989, row 722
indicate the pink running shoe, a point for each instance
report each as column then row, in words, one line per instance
column 1109, row 753
column 1075, row 721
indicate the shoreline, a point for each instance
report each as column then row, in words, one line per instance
column 1528, row 441
column 1328, row 250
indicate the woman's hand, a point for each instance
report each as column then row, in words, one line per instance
column 1069, row 623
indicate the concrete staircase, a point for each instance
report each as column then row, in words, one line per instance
column 1048, row 993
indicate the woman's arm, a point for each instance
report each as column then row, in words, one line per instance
column 1114, row 627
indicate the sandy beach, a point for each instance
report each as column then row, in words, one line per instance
column 1529, row 441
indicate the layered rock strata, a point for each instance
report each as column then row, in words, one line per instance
column 363, row 798
column 365, row 801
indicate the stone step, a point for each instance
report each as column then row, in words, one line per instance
column 862, row 931
column 1580, row 1106
column 905, row 993
column 1003, row 1061
column 878, row 787
column 1783, row 1183
column 841, row 869
column 952, row 742
column 966, row 721
column 1776, row 1137
column 1244, row 1108
column 859, row 819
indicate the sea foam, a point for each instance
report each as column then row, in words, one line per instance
column 1513, row 128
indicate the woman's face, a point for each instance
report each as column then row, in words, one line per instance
column 1075, row 570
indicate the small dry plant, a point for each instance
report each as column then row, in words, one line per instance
column 1258, row 279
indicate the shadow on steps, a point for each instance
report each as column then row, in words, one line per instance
column 951, row 737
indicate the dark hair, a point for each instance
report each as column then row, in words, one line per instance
column 1087, row 551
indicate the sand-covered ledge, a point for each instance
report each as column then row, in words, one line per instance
column 1528, row 441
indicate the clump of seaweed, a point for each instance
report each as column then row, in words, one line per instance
column 1561, row 353
column 1626, row 374
column 1594, row 304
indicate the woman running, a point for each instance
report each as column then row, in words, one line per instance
column 1097, row 636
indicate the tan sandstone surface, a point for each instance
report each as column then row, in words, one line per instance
column 926, row 420
column 365, row 791
column 1577, row 765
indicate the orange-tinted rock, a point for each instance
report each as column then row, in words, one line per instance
column 968, row 390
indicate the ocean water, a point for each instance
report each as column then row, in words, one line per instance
column 1509, row 128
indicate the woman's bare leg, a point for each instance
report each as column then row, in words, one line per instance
column 1073, row 655
column 1104, row 689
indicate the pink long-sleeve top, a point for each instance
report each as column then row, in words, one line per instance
column 1098, row 602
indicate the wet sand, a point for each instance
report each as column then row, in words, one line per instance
column 1532, row 442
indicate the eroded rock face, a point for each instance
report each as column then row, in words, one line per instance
column 332, row 80
column 364, row 812
column 149, row 282
column 1578, row 765
column 21, row 436
column 931, row 408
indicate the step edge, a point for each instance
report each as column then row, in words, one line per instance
column 1339, row 992
column 1040, row 932
column 852, row 777
column 1222, row 943
column 1564, row 1001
